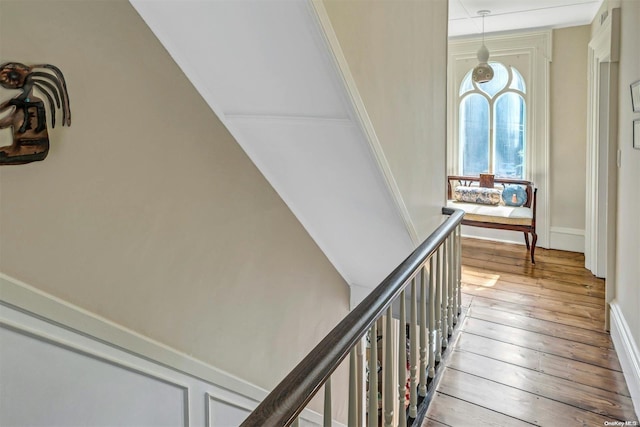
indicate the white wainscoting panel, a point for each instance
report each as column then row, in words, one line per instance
column 220, row 413
column 46, row 383
column 63, row 366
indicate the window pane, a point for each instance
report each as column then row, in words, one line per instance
column 466, row 84
column 474, row 134
column 518, row 81
column 499, row 80
column 509, row 120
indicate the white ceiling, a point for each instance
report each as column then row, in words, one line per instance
column 512, row 15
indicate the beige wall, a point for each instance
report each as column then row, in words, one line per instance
column 568, row 114
column 147, row 212
column 397, row 53
column 627, row 268
column 628, row 236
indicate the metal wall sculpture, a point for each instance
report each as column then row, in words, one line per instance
column 27, row 118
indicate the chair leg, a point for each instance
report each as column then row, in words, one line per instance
column 533, row 246
column 526, row 239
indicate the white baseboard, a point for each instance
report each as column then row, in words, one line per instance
column 628, row 353
column 566, row 239
column 44, row 318
column 504, row 236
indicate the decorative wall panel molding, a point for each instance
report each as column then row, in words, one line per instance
column 66, row 366
column 75, row 386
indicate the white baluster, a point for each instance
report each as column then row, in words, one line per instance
column 388, row 370
column 327, row 404
column 373, row 376
column 445, row 298
column 422, row 389
column 438, row 305
column 413, row 335
column 433, row 334
column 459, row 268
column 361, row 350
column 454, row 252
column 450, row 277
column 353, row 388
column 456, row 270
column 402, row 363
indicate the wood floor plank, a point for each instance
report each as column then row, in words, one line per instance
column 514, row 402
column 524, row 262
column 523, row 265
column 539, row 313
column 571, row 259
column 573, row 370
column 572, row 333
column 574, row 308
column 532, row 347
column 603, row 402
column 428, row 422
column 528, row 270
column 483, row 283
column 492, row 244
column 466, row 300
column 596, row 290
column 516, row 251
column 599, row 356
column 447, row 410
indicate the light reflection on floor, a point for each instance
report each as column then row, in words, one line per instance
column 480, row 280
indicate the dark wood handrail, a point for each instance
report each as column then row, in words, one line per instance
column 282, row 406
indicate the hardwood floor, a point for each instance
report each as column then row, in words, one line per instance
column 532, row 348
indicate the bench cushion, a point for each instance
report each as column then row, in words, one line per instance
column 494, row 214
column 481, row 195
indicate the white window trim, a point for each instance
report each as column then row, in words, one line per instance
column 538, row 47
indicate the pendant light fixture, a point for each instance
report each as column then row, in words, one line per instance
column 483, row 72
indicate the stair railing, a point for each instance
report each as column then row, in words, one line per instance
column 432, row 275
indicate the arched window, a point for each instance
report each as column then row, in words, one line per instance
column 492, row 122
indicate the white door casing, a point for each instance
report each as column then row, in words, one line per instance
column 602, row 147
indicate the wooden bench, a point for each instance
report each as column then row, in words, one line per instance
column 500, row 216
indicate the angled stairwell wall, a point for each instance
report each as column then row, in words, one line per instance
column 148, row 213
column 362, row 171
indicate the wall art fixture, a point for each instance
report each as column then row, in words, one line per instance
column 27, row 116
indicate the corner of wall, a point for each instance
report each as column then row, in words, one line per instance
column 358, row 293
column 360, row 114
column 627, row 351
column 566, row 239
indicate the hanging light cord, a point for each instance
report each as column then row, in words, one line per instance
column 482, row 72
